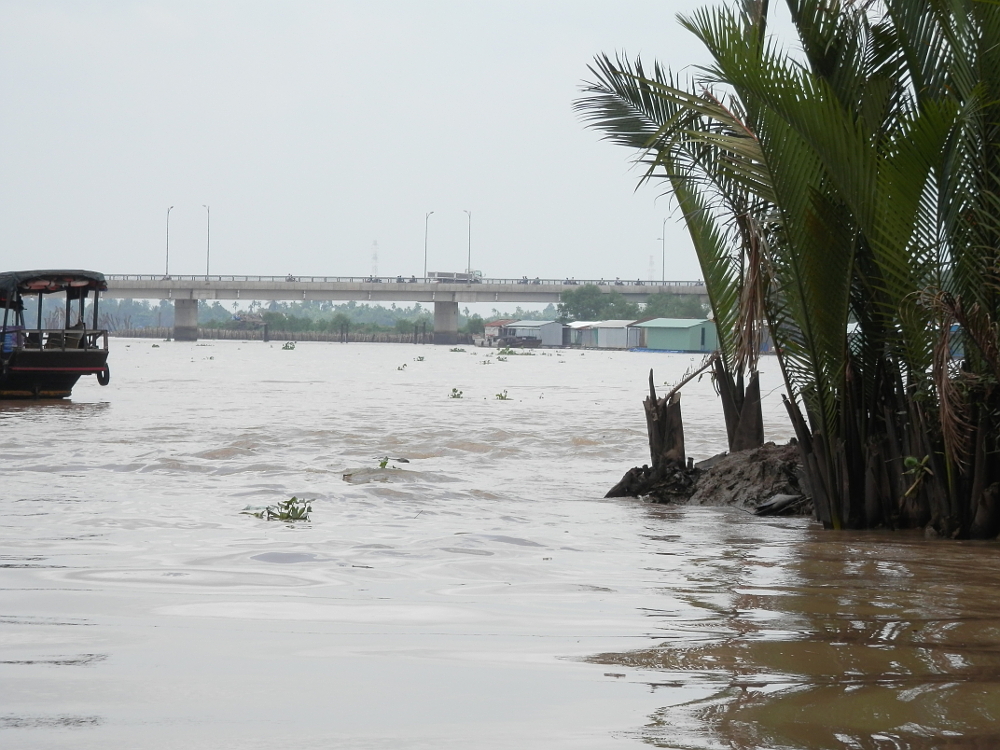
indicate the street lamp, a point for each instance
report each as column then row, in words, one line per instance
column 208, row 238
column 427, row 217
column 166, row 269
column 468, row 268
column 663, row 252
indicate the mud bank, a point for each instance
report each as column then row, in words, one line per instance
column 767, row 480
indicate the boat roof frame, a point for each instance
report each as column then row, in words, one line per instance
column 76, row 282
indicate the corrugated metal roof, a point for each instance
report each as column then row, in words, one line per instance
column 612, row 324
column 530, row 324
column 672, row 323
column 580, row 324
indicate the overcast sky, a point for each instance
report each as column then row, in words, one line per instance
column 314, row 129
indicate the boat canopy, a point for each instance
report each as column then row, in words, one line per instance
column 75, row 283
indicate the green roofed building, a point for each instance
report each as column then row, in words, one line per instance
column 677, row 335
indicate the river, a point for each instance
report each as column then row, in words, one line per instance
column 484, row 595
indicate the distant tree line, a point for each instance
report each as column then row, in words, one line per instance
column 586, row 303
column 590, row 302
column 293, row 317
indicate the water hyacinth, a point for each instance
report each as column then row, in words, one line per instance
column 285, row 510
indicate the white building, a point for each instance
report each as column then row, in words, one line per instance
column 609, row 334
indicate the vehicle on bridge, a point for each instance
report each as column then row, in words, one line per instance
column 47, row 362
column 455, row 277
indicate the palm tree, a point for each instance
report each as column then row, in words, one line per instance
column 856, row 180
column 652, row 115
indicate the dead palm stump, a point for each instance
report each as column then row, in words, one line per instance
column 667, row 477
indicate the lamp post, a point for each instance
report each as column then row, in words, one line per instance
column 663, row 252
column 468, row 268
column 427, row 217
column 166, row 268
column 208, row 238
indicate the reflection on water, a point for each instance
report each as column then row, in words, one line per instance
column 44, row 409
column 815, row 640
column 485, row 596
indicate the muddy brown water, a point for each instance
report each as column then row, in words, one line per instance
column 484, row 596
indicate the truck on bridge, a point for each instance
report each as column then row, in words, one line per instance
column 459, row 277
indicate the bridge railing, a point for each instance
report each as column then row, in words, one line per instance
column 290, row 279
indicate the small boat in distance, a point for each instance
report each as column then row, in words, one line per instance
column 46, row 362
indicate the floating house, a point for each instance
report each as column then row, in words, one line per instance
column 608, row 334
column 676, row 335
column 547, row 332
column 573, row 332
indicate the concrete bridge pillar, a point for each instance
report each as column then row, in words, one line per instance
column 446, row 323
column 185, row 320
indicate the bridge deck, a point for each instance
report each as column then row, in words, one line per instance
column 375, row 289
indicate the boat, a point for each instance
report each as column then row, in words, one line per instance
column 518, row 342
column 47, row 362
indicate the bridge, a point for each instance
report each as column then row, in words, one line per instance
column 187, row 291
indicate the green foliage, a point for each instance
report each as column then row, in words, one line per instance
column 549, row 313
column 288, row 346
column 591, row 302
column 855, row 179
column 455, row 393
column 294, row 317
column 285, row 510
column 703, row 149
column 502, row 396
column 664, row 305
column 457, row 349
column 117, row 314
column 474, row 325
column 383, row 462
column 320, row 316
